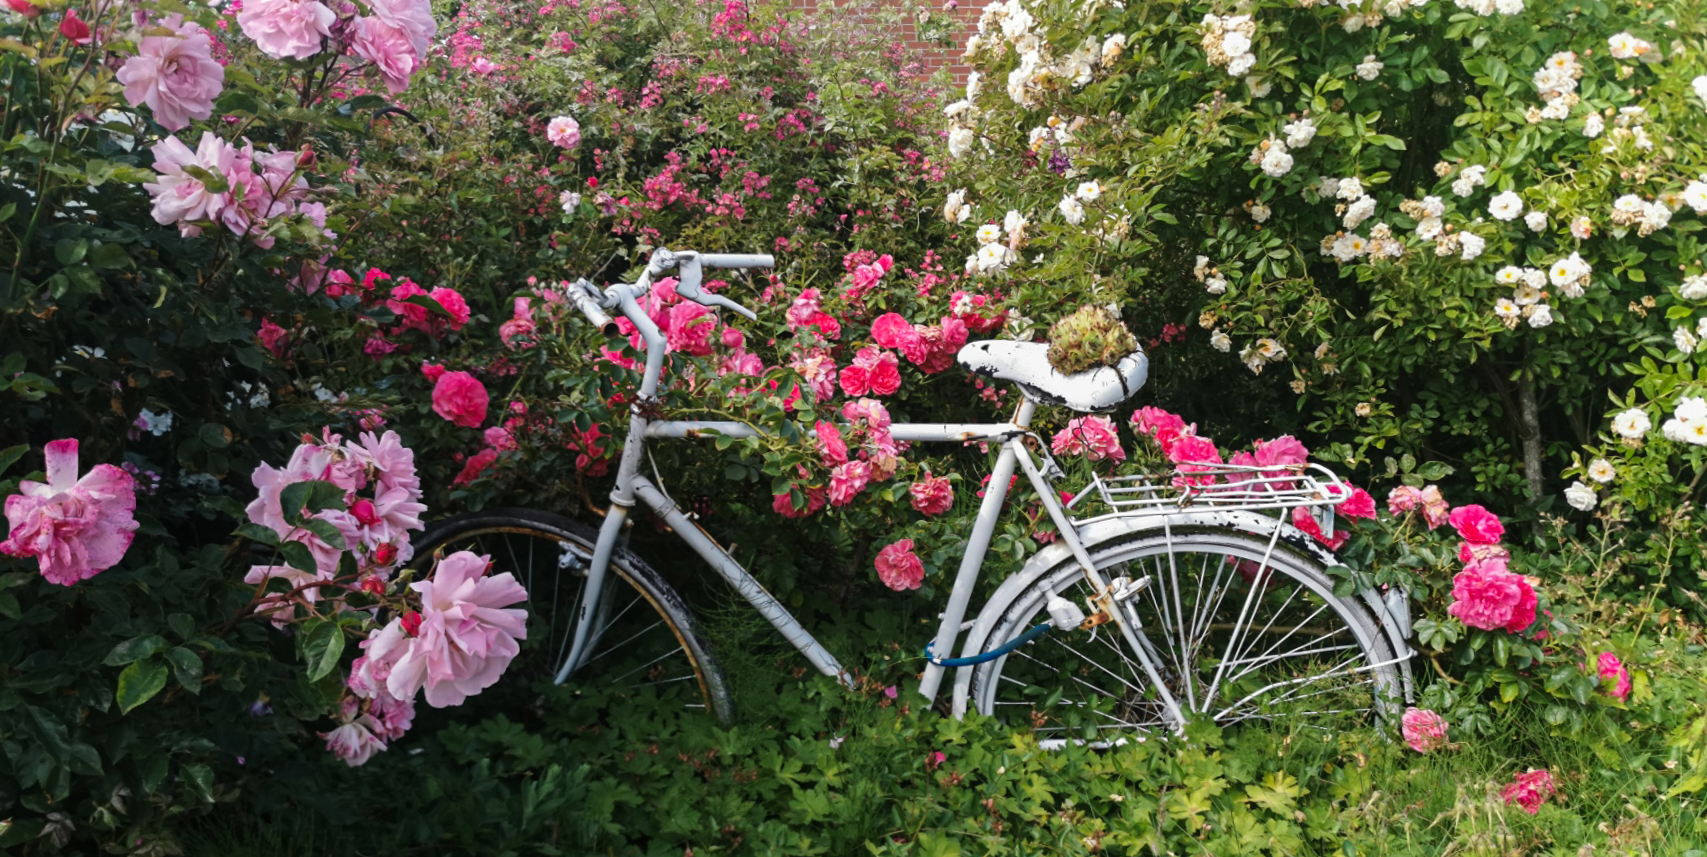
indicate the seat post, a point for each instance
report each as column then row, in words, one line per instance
column 1022, row 415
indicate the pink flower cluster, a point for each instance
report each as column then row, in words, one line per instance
column 930, row 347
column 175, row 75
column 75, row 527
column 1422, row 729
column 381, row 504
column 1485, row 594
column 872, row 372
column 899, row 568
column 1611, row 670
column 1529, row 790
column 414, row 316
column 260, row 186
column 970, row 309
column 1090, row 436
column 394, row 38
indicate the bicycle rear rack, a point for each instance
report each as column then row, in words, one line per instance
column 1211, row 485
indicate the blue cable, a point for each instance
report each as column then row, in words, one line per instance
column 975, row 660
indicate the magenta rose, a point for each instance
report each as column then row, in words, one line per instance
column 460, row 398
column 899, row 568
column 74, row 527
column 1611, row 669
column 1486, row 596
column 1422, row 729
column 1476, row 524
column 932, row 495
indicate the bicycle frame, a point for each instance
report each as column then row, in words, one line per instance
column 632, row 486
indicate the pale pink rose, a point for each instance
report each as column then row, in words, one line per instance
column 868, row 411
column 1283, row 450
column 1611, row 669
column 831, row 448
column 180, row 197
column 899, row 568
column 1435, row 510
column 563, row 132
column 355, row 742
column 1093, row 437
column 847, row 480
column 499, row 439
column 1358, row 505
column 483, row 66
column 1165, row 427
column 819, row 371
column 1423, row 729
column 176, row 76
column 1402, row 499
column 1303, row 520
column 932, row 495
column 1529, row 790
column 467, row 635
column 74, row 527
column 393, row 716
column 460, row 398
column 1486, row 596
column 287, row 28
column 390, row 50
column 1476, row 524
column 414, row 18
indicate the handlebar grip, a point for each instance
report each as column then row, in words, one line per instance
column 737, row 260
column 589, row 307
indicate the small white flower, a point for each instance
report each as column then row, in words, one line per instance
column 153, row 423
column 1276, row 162
column 1504, row 308
column 1472, row 246
column 1632, row 424
column 1429, row 228
column 1261, row 213
column 1593, row 125
column 1088, row 191
column 1220, row 341
column 1349, row 189
column 1684, row 340
column 960, row 141
column 1625, row 46
column 1541, row 316
column 1581, row 497
column 1235, row 44
column 1370, row 68
column 89, row 351
column 1510, row 275
column 1433, row 206
column 1535, row 220
column 1359, row 211
column 1700, row 86
column 1469, row 179
column 1693, row 288
column 1201, row 268
column 1328, row 187
column 570, row 201
column 1299, row 133
column 1072, row 210
column 1535, row 278
column 1216, row 285
column 1526, row 294
column 1602, row 471
column 1581, row 228
column 1505, row 206
column 1259, row 87
column 1241, row 65
column 955, row 209
column 989, row 233
column 1112, row 48
column 992, row 257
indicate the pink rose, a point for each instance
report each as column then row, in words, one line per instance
column 1165, row 427
column 460, row 398
column 1423, row 729
column 74, row 527
column 176, row 76
column 1303, row 520
column 932, row 495
column 563, row 132
column 452, row 301
column 499, row 438
column 1611, row 669
column 688, row 328
column 1358, row 505
column 1283, row 450
column 272, row 337
column 890, row 330
column 355, row 742
column 1469, row 552
column 287, row 28
column 1434, row 507
column 831, row 448
column 1094, row 437
column 1402, row 499
column 412, row 18
column 432, row 371
column 873, row 371
column 467, row 636
column 847, row 480
column 1529, row 790
column 74, row 29
column 24, row 8
column 180, row 197
column 1476, row 524
column 899, row 568
column 1195, row 455
column 783, row 503
column 1486, row 596
column 519, row 330
column 389, row 49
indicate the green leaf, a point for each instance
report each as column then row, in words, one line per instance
column 140, row 682
column 10, row 455
column 186, row 667
column 200, row 777
column 297, row 555
column 313, row 495
column 109, row 256
column 9, row 606
column 181, row 624
column 322, row 644
column 134, row 649
column 70, row 251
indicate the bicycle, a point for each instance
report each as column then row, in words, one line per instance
column 1199, row 604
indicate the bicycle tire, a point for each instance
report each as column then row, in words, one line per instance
column 642, row 622
column 1079, row 685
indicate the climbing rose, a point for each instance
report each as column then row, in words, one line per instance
column 563, row 132
column 783, row 503
column 1283, row 450
column 847, row 480
column 286, row 28
column 467, row 633
column 355, row 742
column 1435, row 510
column 1612, row 669
column 1303, row 520
column 1486, row 596
column 1476, row 524
column 1165, row 427
column 1402, row 499
column 75, row 528
column 872, row 372
column 390, row 50
column 890, row 330
column 831, row 447
column 1093, row 437
column 1193, row 454
column 1358, row 505
column 932, row 495
column 180, row 197
column 176, row 76
column 272, row 337
column 1423, row 729
column 460, row 398
column 519, row 330
column 74, row 29
column 1529, row 790
column 899, row 568
column 474, row 466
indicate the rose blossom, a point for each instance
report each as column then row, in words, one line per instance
column 467, row 633
column 74, row 29
column 287, row 28
column 831, row 448
column 783, row 504
column 460, row 398
column 872, row 372
column 176, row 76
column 180, row 197
column 1358, row 505
column 1303, row 520
column 1283, row 450
column 1402, row 499
column 1529, row 790
column 75, row 527
column 24, row 7
column 1611, row 669
column 355, row 742
column 563, row 132
column 847, row 480
column 899, row 568
column 1193, row 454
column 519, row 330
column 1486, row 596
column 932, row 495
column 890, row 330
column 1165, row 427
column 1093, row 437
column 272, row 337
column 390, row 50
column 1423, row 729
column 1476, row 524
column 1434, row 507
column 412, row 18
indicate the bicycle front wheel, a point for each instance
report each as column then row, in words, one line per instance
column 643, row 641
column 1238, row 630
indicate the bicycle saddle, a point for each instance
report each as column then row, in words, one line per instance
column 1026, row 364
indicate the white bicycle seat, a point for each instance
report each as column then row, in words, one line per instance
column 1026, row 364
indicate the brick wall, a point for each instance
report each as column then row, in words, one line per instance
column 898, row 18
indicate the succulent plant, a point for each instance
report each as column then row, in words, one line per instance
column 1091, row 336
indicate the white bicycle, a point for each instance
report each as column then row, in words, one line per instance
column 1168, row 605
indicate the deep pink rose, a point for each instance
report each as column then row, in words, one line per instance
column 831, row 448
column 688, row 328
column 899, row 568
column 1358, row 505
column 1469, row 552
column 518, row 332
column 452, row 301
column 1093, row 437
column 474, row 466
column 1194, row 456
column 1303, row 520
column 467, row 636
column 24, row 8
column 847, row 480
column 890, row 330
column 272, row 337
column 783, row 503
column 1165, row 427
column 1529, row 790
column 1611, row 669
column 176, row 76
column 499, row 438
column 1486, row 596
column 74, row 527
column 932, row 495
column 460, row 398
column 287, row 28
column 1476, row 524
column 74, row 29
column 1423, row 729
column 1283, row 450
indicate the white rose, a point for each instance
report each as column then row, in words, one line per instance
column 1541, row 317
column 1261, row 213
column 1220, row 341
column 1601, row 470
column 1241, row 65
column 1505, row 308
column 1505, row 206
column 960, row 141
column 989, row 233
column 1072, row 210
column 1235, row 44
column 1276, row 162
column 1216, row 285
column 1300, row 133
column 1088, row 191
column 1359, row 211
column 1581, row 228
column 1535, row 220
column 1370, row 68
column 1684, row 340
column 1428, row 228
column 1693, row 288
column 1581, row 497
column 1700, row 86
column 1632, row 424
column 1349, row 189
column 992, row 257
column 1472, row 246
column 1593, row 125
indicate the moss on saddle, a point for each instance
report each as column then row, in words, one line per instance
column 1091, row 336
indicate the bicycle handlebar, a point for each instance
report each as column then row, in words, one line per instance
column 592, row 302
column 737, row 260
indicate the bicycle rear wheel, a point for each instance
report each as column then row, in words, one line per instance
column 1238, row 630
column 644, row 642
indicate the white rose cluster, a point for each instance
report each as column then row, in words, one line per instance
column 1227, row 41
column 1272, row 157
column 1556, row 81
column 1688, row 341
column 1261, row 353
column 1038, row 70
column 1688, row 423
column 1693, row 288
column 1570, row 275
column 1469, row 178
column 1525, row 302
column 1648, row 216
column 1627, row 47
column 1632, row 425
column 1485, row 8
column 955, row 210
column 1627, row 126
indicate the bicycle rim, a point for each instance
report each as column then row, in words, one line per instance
column 1239, row 631
column 644, row 643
